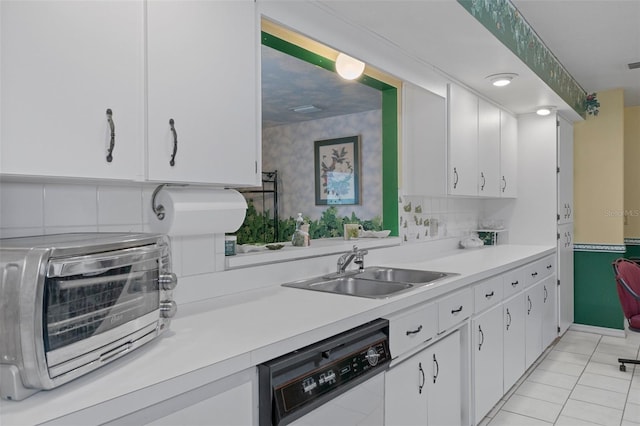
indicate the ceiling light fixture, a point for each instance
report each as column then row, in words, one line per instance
column 349, row 68
column 501, row 80
column 544, row 110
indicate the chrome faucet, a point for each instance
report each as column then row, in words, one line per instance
column 346, row 258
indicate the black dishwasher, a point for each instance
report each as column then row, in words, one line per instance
column 299, row 382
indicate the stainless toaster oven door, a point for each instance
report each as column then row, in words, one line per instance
column 93, row 302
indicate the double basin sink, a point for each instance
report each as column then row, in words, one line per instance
column 373, row 282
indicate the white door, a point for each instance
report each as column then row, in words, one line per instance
column 514, row 340
column 533, row 323
column 508, row 155
column 487, row 341
column 565, row 276
column 64, row 66
column 550, row 311
column 405, row 396
column 203, row 97
column 463, row 141
column 565, row 171
column 488, row 149
column 443, row 382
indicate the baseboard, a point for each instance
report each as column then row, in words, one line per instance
column 597, row 330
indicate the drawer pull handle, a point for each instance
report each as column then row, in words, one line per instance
column 421, row 385
column 437, row 367
column 508, row 319
column 534, row 274
column 489, row 295
column 456, row 311
column 515, row 283
column 112, row 142
column 172, row 123
column 481, row 338
column 416, row 331
column 549, row 267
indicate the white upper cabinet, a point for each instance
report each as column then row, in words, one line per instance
column 424, row 123
column 64, row 64
column 482, row 147
column 508, row 155
column 203, row 97
column 565, row 171
column 488, row 149
column 463, row 141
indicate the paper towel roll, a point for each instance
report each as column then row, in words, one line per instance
column 192, row 211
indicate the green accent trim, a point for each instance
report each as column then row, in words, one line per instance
column 609, row 248
column 595, row 295
column 389, row 126
column 313, row 58
column 390, row 160
column 506, row 23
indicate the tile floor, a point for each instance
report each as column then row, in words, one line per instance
column 576, row 382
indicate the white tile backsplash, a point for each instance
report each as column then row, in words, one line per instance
column 70, row 205
column 198, row 254
column 21, row 205
column 119, row 205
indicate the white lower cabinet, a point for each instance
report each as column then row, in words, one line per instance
column 425, row 388
column 550, row 309
column 487, row 345
column 514, row 340
column 533, row 322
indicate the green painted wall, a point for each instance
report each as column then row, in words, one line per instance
column 632, row 251
column 595, row 295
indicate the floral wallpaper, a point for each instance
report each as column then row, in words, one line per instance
column 289, row 150
column 506, row 23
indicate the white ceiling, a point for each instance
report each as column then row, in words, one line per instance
column 593, row 39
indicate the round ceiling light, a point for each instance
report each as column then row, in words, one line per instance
column 501, row 80
column 544, row 110
column 349, row 68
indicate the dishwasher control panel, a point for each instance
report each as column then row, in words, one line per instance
column 312, row 385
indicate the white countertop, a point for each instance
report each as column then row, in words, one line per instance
column 214, row 338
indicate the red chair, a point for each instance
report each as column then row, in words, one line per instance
column 627, row 273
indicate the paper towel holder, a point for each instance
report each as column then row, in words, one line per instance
column 159, row 209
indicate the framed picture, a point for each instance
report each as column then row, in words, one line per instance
column 337, row 170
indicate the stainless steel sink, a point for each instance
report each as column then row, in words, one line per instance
column 374, row 282
column 399, row 275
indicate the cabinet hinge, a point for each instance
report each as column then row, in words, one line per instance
column 558, row 282
column 558, row 234
column 557, row 123
column 256, row 163
column 558, row 329
column 558, row 219
column 558, row 170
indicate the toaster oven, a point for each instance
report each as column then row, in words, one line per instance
column 70, row 303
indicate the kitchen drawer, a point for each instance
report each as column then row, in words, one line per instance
column 454, row 309
column 487, row 293
column 514, row 281
column 540, row 269
column 412, row 327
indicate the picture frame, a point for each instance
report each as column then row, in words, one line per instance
column 337, row 170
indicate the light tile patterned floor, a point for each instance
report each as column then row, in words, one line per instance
column 576, row 382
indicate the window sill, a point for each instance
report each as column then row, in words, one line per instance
column 320, row 247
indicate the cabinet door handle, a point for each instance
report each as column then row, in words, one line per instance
column 484, row 181
column 416, row 331
column 175, row 142
column 570, row 211
column 546, row 293
column 422, row 376
column 456, row 311
column 437, row 368
column 455, row 178
column 112, row 142
column 489, row 295
column 530, row 305
column 515, row 283
column 508, row 319
column 504, row 183
column 481, row 338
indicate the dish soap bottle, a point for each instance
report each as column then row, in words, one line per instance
column 301, row 234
